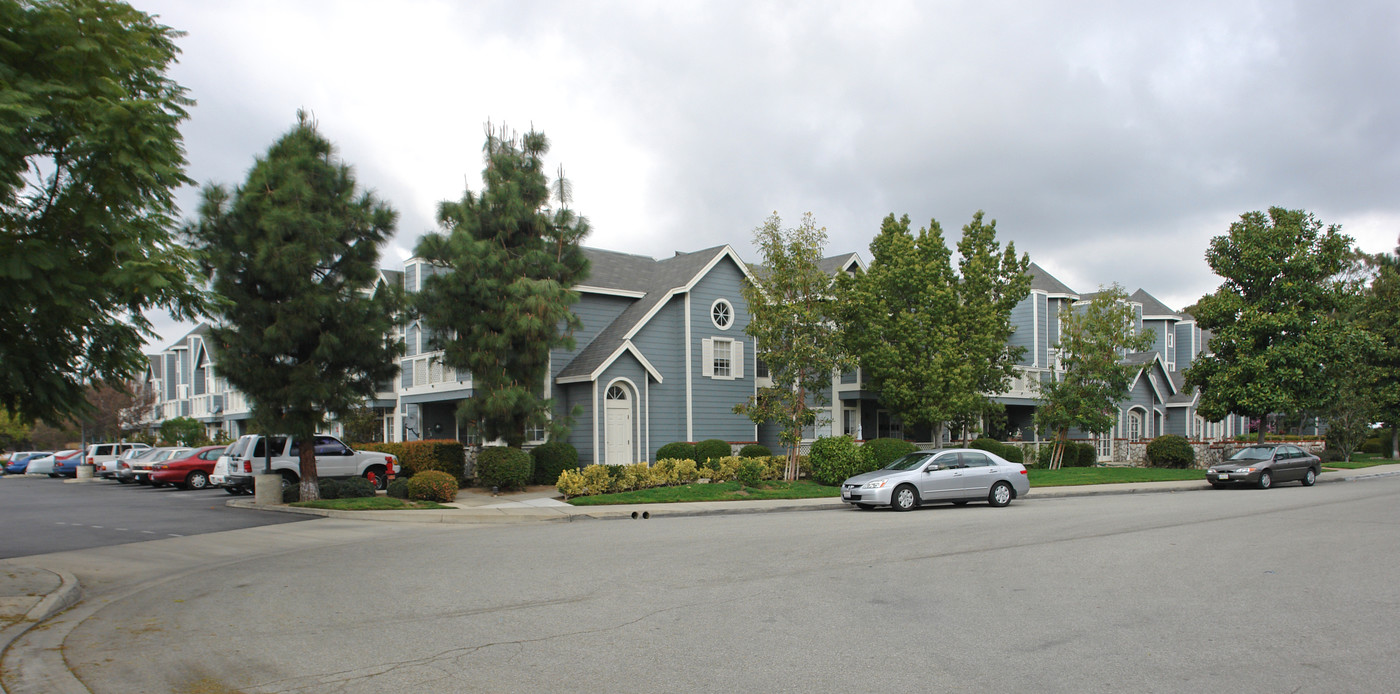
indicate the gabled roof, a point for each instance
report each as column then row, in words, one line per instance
column 1182, row 397
column 1045, row 282
column 611, row 272
column 1145, row 361
column 829, row 266
column 663, row 280
column 201, row 330
column 1151, row 307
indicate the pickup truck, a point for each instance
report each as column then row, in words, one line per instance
column 245, row 457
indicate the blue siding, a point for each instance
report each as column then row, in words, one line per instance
column 1023, row 328
column 714, row 399
column 662, row 342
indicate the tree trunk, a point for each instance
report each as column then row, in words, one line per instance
column 1057, row 455
column 1263, row 424
column 1394, row 440
column 310, row 491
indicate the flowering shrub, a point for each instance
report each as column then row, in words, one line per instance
column 597, row 480
column 571, row 484
column 433, row 485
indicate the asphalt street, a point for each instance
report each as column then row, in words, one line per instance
column 1289, row 589
column 43, row 515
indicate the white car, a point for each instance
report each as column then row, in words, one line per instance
column 245, row 457
column 103, row 456
column 44, row 465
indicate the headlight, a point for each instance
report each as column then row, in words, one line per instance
column 875, row 484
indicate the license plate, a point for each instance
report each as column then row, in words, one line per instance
column 1224, row 476
column 845, row 495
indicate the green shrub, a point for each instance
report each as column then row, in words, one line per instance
column 571, row 484
column 1012, row 453
column 434, row 485
column 445, row 455
column 1170, row 451
column 881, row 452
column 834, row 459
column 503, row 467
column 328, row 488
column 291, row 494
column 552, row 458
column 711, row 449
column 398, row 488
column 356, row 488
column 751, row 472
column 1076, row 455
column 755, row 450
column 679, row 450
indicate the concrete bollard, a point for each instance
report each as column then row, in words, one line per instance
column 267, row 489
column 85, row 471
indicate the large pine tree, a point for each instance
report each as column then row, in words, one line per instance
column 501, row 300
column 305, row 332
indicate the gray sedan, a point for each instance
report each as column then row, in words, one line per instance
column 1263, row 465
column 958, row 475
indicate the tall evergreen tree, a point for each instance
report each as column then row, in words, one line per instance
column 1381, row 316
column 500, row 302
column 792, row 319
column 294, row 252
column 933, row 343
column 1093, row 378
column 90, row 154
column 1276, row 317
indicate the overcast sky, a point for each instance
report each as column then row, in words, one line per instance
column 1110, row 140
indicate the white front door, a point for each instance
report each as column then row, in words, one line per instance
column 617, row 416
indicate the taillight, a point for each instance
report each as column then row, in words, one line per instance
column 247, row 466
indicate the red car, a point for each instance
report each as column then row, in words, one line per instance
column 191, row 472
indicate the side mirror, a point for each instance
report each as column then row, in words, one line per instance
column 933, row 468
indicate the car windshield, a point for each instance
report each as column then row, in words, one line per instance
column 909, row 461
column 1254, row 453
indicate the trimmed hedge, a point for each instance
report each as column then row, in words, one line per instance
column 680, row 450
column 881, row 452
column 446, row 455
column 1170, row 451
column 356, row 488
column 398, row 488
column 755, row 450
column 552, row 458
column 435, row 485
column 1076, row 455
column 710, row 449
column 504, row 467
column 834, row 459
column 1008, row 451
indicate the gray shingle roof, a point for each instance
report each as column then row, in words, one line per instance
column 830, row 266
column 1151, row 306
column 1046, row 282
column 623, row 271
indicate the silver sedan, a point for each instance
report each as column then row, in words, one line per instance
column 958, row 475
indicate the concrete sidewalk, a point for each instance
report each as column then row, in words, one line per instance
column 543, row 504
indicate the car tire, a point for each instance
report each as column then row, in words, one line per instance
column 53, row 475
column 378, row 477
column 1310, row 477
column 905, row 498
column 1266, row 480
column 1001, row 494
column 197, row 480
column 289, row 479
column 124, row 480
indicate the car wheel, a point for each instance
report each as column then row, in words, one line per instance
column 53, row 474
column 1266, row 480
column 233, row 491
column 905, row 498
column 1310, row 478
column 197, row 480
column 865, row 507
column 289, row 480
column 1000, row 495
column 378, row 477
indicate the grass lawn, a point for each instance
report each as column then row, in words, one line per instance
column 1361, row 460
column 1072, row 476
column 720, row 491
column 370, row 503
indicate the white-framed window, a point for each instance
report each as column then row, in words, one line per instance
column 722, row 314
column 1134, row 425
column 722, row 358
column 535, row 433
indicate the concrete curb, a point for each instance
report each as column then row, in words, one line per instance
column 68, row 593
column 555, row 514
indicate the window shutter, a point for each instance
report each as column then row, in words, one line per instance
column 736, row 360
column 707, row 358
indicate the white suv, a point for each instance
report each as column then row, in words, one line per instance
column 245, row 458
column 103, row 456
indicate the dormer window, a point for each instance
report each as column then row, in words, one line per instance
column 722, row 313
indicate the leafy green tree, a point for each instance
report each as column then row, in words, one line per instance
column 792, row 320
column 933, row 341
column 1276, row 317
column 500, row 301
column 13, row 431
column 1093, row 377
column 183, row 431
column 90, row 152
column 1381, row 316
column 362, row 424
column 305, row 331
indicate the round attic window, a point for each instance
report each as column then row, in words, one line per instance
column 722, row 313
